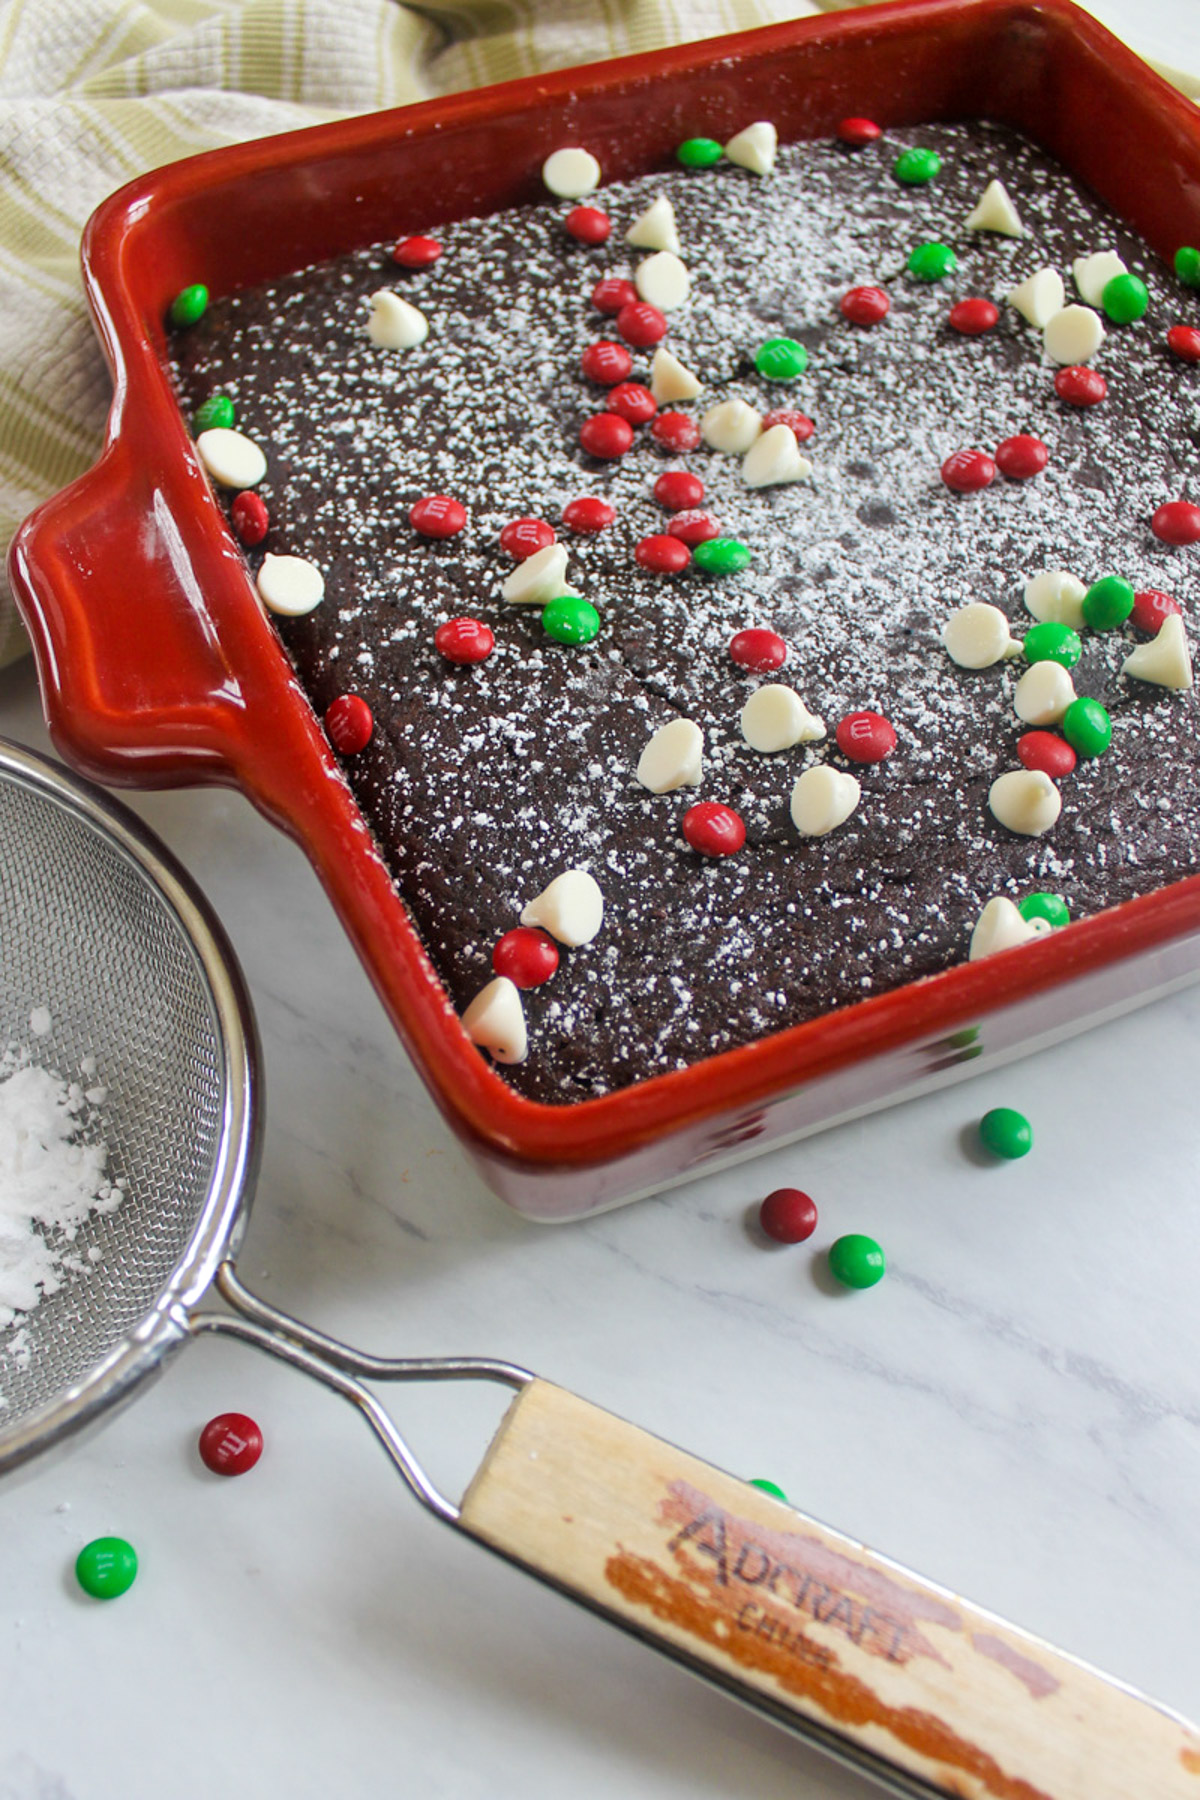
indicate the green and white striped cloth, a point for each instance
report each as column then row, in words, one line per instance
column 93, row 92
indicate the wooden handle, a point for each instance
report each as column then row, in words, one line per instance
column 901, row 1677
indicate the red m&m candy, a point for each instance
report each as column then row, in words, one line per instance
column 1183, row 341
column 694, row 527
column 664, row 553
column 250, row 518
column 1151, row 610
column 416, row 252
column 523, row 538
column 798, row 423
column 967, row 471
column 630, row 400
column 865, row 305
column 858, row 132
column 612, row 293
column 437, row 516
column 1178, row 522
column 526, row 956
column 678, row 489
column 465, row 640
column 713, row 830
column 588, row 225
column 588, row 514
column 788, row 1216
column 606, row 362
column 675, row 431
column 230, row 1444
column 1043, row 751
column 606, row 436
column 1020, row 457
column 1079, row 386
column 641, row 324
column 349, row 723
column 973, row 316
column 866, row 737
column 759, row 650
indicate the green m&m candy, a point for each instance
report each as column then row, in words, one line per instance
column 1087, row 727
column 1108, row 602
column 781, row 359
column 932, row 262
column 915, row 167
column 106, row 1567
column 769, row 1487
column 570, row 619
column 699, row 153
column 1051, row 907
column 1006, row 1133
column 215, row 413
column 1051, row 642
column 1125, row 299
column 721, row 556
column 856, row 1261
column 1187, row 265
column 189, row 304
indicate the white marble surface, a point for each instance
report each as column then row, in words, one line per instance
column 1015, row 1411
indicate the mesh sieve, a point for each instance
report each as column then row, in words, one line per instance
column 103, row 929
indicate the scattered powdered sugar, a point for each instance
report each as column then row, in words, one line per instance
column 53, row 1177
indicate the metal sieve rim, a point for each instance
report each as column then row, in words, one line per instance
column 220, row 1223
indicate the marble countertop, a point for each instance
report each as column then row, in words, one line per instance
column 1015, row 1410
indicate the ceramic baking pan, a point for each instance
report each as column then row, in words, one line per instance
column 159, row 667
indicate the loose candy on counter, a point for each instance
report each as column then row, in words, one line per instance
column 1177, row 522
column 464, row 640
column 641, row 324
column 673, row 758
column 1025, row 800
column 774, row 459
column 395, row 324
column 721, row 556
column 1183, row 341
column 230, row 1444
column 542, row 576
column 1087, row 727
column 995, row 211
column 250, row 518
column 606, row 363
column 526, row 956
column 1056, row 595
column 631, row 402
column 758, row 649
column 1073, row 335
column 822, row 799
column 731, row 426
column 699, row 153
column 571, row 173
column 662, row 281
column 1002, row 926
column 858, row 132
column 1052, row 909
column 866, row 737
column 1107, row 603
column 1039, row 298
column 588, row 225
column 655, row 229
column 523, row 538
column 978, row 635
column 676, row 432
column 438, row 516
column 916, row 167
column 189, row 305
column 865, row 305
column 1043, row 750
column 712, row 829
column 694, row 527
column 678, row 490
column 968, row 471
column 1006, row 1133
column 973, row 316
column 217, row 410
column 571, row 909
column 754, row 148
column 932, row 262
column 570, row 619
column 856, row 1261
column 1020, row 457
column 788, row 1216
column 1125, row 299
column 768, row 1487
column 1080, row 387
column 781, row 359
column 290, row 585
column 106, row 1568
column 1151, row 609
column 606, row 436
column 775, row 718
column 349, row 723
column 1092, row 274
column 588, row 515
column 231, row 458
column 664, row 553
column 1043, row 694
column 669, row 380
column 1050, row 642
column 416, row 252
column 1165, row 660
column 495, row 1020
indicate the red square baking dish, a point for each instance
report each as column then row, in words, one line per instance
column 159, row 666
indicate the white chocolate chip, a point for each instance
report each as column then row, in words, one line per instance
column 1054, row 595
column 1043, row 694
column 775, row 718
column 571, row 173
column 669, row 380
column 774, row 458
column 232, row 459
column 995, row 212
column 1093, row 274
column 822, row 799
column 1001, row 927
column 754, row 148
column 495, row 1019
column 394, row 323
column 1165, row 660
column 540, row 578
column 977, row 635
column 1025, row 801
column 663, row 281
column 570, row 909
column 290, row 585
column 731, row 426
column 1073, row 335
column 1039, row 298
column 672, row 759
column 655, row 230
